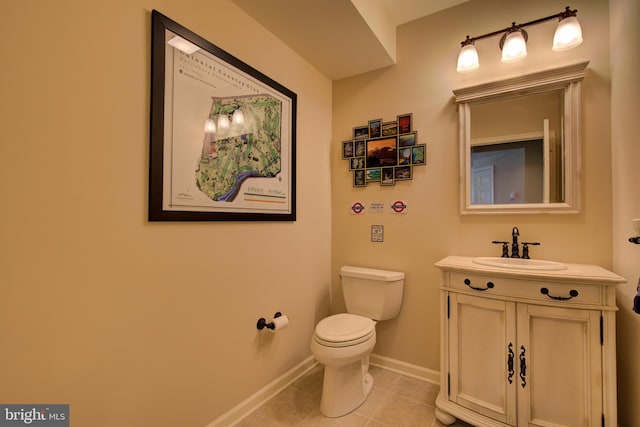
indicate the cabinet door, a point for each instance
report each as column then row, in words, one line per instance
column 560, row 376
column 481, row 354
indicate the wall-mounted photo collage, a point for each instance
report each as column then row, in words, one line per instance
column 384, row 152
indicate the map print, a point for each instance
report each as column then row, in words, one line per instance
column 242, row 140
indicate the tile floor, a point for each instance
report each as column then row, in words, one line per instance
column 396, row 400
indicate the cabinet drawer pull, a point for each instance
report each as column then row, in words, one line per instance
column 523, row 366
column 572, row 293
column 468, row 283
column 510, row 363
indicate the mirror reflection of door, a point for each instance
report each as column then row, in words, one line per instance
column 482, row 185
column 517, row 170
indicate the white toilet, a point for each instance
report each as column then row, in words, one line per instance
column 343, row 342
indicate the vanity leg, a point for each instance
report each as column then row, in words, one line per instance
column 444, row 418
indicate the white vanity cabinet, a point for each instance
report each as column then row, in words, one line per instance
column 527, row 347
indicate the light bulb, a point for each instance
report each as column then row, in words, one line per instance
column 568, row 34
column 223, row 122
column 468, row 59
column 209, row 126
column 238, row 117
column 515, row 47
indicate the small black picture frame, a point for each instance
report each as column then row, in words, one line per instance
column 360, row 132
column 375, row 128
column 387, row 176
column 347, row 149
column 390, row 128
column 356, row 163
column 374, row 174
column 407, row 139
column 405, row 123
column 419, row 155
column 401, row 173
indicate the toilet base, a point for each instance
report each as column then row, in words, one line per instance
column 345, row 387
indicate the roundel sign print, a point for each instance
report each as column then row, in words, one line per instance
column 357, row 208
column 399, row 207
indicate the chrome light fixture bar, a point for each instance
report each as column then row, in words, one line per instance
column 513, row 42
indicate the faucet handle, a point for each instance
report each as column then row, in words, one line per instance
column 505, row 247
column 525, row 248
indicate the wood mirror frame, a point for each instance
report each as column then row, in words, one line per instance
column 568, row 81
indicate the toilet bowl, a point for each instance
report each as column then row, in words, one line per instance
column 343, row 342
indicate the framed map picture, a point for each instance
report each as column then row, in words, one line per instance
column 223, row 135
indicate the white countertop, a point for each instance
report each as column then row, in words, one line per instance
column 584, row 273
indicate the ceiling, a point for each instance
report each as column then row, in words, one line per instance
column 341, row 38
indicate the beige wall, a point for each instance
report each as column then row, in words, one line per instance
column 132, row 325
column 625, row 104
column 135, row 323
column 422, row 84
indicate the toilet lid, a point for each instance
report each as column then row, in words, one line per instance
column 344, row 327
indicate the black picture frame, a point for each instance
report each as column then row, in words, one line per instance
column 361, row 132
column 382, row 152
column 347, row 149
column 405, row 123
column 375, row 128
column 176, row 191
column 390, row 128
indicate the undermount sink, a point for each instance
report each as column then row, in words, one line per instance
column 519, row 263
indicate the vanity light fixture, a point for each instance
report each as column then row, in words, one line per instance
column 513, row 42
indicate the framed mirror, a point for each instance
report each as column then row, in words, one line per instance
column 519, row 143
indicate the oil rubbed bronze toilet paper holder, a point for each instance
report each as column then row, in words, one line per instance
column 262, row 322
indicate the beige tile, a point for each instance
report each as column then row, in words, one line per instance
column 312, row 380
column 378, row 397
column 374, row 423
column 395, row 401
column 400, row 412
column 316, row 419
column 289, row 408
column 417, row 390
column 383, row 378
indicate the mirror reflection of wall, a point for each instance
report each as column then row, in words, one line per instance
column 517, row 149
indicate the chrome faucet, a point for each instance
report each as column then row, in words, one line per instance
column 515, row 248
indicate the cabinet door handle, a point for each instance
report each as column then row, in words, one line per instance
column 510, row 358
column 468, row 283
column 523, row 366
column 572, row 294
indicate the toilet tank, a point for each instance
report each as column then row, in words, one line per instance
column 376, row 294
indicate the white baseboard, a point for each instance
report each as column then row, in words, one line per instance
column 259, row 398
column 256, row 400
column 405, row 368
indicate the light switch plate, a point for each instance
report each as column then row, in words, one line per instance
column 377, row 233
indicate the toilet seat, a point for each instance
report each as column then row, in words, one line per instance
column 344, row 330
